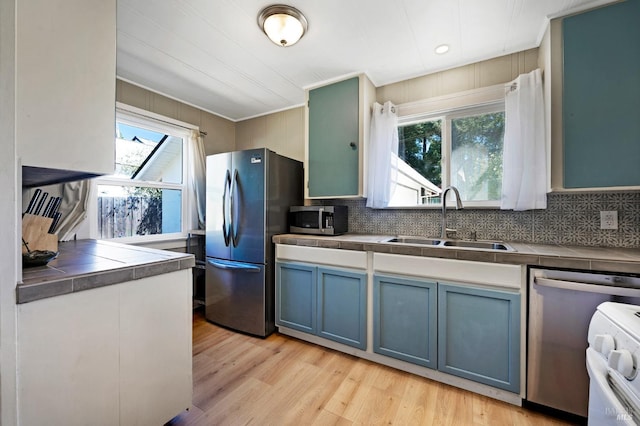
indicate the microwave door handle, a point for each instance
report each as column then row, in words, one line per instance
column 234, row 226
column 320, row 224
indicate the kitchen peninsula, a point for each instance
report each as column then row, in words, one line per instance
column 104, row 336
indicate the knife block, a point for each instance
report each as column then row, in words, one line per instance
column 35, row 232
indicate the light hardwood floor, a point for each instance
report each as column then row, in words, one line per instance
column 280, row 380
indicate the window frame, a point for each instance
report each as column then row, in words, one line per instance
column 447, row 108
column 165, row 125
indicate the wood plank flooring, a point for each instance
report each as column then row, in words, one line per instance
column 242, row 380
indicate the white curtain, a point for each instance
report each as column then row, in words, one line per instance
column 197, row 176
column 382, row 166
column 524, row 179
column 73, row 207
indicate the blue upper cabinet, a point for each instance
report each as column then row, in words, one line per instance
column 601, row 97
column 337, row 131
column 405, row 318
column 479, row 335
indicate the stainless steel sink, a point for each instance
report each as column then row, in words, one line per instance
column 464, row 244
column 487, row 245
column 414, row 241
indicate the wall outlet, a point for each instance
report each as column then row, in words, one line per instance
column 609, row 219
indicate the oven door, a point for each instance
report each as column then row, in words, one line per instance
column 605, row 406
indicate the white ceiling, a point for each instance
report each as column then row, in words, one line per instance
column 212, row 54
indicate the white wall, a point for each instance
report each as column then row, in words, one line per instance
column 8, row 215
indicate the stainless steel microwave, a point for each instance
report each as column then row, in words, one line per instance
column 318, row 220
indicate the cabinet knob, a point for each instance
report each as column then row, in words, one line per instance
column 353, row 145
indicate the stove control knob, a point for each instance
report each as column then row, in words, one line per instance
column 622, row 361
column 604, row 343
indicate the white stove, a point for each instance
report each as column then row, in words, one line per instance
column 612, row 362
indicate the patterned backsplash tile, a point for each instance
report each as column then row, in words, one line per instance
column 570, row 219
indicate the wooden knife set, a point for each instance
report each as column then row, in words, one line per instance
column 40, row 222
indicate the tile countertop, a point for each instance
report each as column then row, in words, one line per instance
column 86, row 264
column 607, row 259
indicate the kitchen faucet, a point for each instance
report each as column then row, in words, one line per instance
column 443, row 235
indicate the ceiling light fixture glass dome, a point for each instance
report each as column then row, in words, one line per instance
column 442, row 49
column 284, row 25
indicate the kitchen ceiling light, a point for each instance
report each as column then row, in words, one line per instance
column 442, row 49
column 284, row 25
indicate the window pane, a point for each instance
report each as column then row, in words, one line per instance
column 129, row 211
column 420, row 164
column 476, row 156
column 146, row 155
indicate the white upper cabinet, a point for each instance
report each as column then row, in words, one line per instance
column 65, row 93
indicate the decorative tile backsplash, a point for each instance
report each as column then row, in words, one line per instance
column 570, row 219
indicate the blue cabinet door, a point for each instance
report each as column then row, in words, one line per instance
column 333, row 166
column 342, row 306
column 479, row 335
column 601, row 97
column 404, row 319
column 296, row 296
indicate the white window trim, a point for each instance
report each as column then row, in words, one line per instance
column 156, row 122
column 472, row 102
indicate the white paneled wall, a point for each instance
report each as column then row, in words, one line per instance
column 282, row 132
column 473, row 76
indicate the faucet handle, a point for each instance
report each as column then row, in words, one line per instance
column 451, row 233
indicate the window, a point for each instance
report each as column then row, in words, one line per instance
column 146, row 194
column 461, row 147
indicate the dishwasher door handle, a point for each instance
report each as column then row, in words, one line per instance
column 592, row 288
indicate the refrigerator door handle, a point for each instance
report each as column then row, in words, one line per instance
column 225, row 228
column 246, row 267
column 234, row 226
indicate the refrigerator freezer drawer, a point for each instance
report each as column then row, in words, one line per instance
column 237, row 296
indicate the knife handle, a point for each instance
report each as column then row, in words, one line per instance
column 49, row 208
column 56, row 206
column 41, row 203
column 33, row 201
column 54, row 224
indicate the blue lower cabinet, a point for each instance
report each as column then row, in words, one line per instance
column 296, row 296
column 327, row 302
column 405, row 318
column 342, row 306
column 479, row 335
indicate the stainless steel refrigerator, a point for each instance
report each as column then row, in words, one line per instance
column 248, row 198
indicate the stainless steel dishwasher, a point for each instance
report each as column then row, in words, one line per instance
column 561, row 304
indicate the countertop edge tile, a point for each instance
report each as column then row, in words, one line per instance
column 622, row 267
column 157, row 268
column 33, row 292
column 87, row 282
